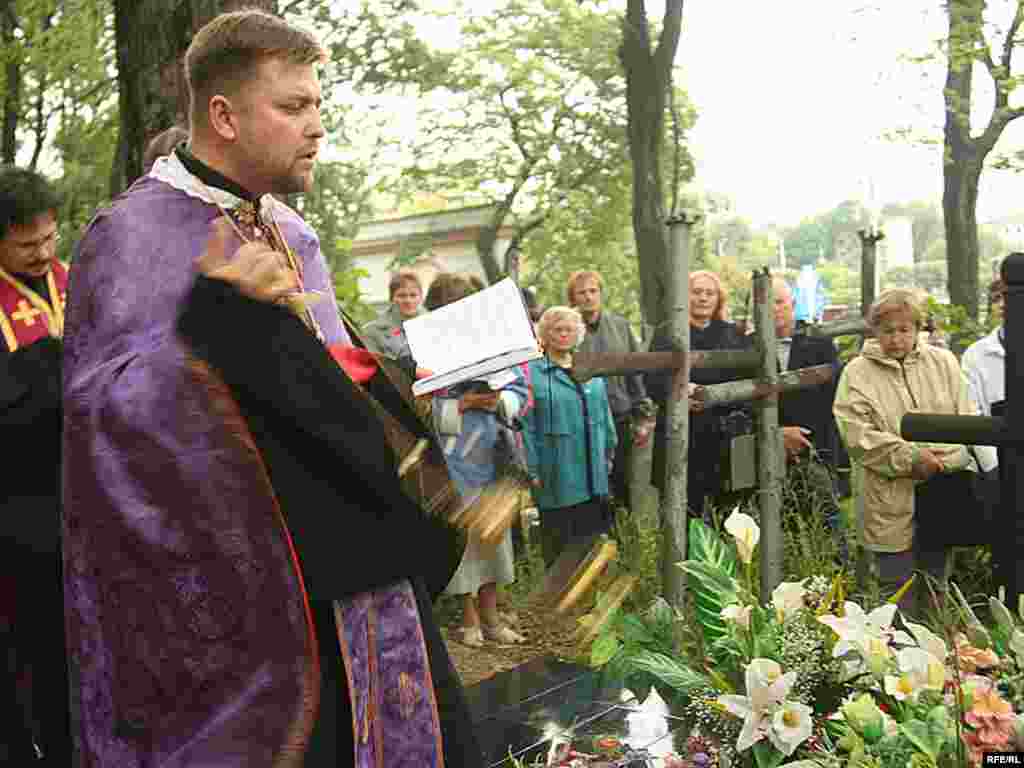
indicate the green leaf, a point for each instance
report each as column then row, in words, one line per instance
column 927, row 737
column 670, row 671
column 706, row 546
column 767, row 756
column 603, row 649
column 633, row 630
column 713, row 589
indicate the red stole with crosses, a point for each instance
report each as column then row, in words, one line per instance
column 27, row 317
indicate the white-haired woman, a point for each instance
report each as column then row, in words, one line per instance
column 570, row 439
column 899, row 480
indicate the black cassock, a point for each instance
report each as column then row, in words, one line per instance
column 34, row 691
column 303, row 414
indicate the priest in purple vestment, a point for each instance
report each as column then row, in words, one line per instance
column 246, row 584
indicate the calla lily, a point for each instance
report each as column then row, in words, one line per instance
column 744, row 530
column 739, row 615
column 792, row 724
column 766, row 689
column 788, row 598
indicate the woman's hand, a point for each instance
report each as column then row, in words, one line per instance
column 926, row 466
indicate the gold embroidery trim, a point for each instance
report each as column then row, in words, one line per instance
column 8, row 331
column 55, row 325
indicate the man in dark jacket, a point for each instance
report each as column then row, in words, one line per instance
column 631, row 408
column 34, row 693
column 809, row 431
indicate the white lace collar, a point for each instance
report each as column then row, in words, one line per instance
column 170, row 170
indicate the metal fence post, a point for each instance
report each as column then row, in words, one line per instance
column 673, row 505
column 770, row 454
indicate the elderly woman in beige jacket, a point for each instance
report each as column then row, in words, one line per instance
column 894, row 375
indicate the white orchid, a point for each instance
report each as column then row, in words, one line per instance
column 857, row 629
column 919, row 670
column 766, row 689
column 739, row 615
column 792, row 724
column 788, row 598
column 744, row 530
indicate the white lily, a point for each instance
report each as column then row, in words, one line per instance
column 928, row 640
column 744, row 530
column 856, row 628
column 792, row 724
column 739, row 615
column 919, row 670
column 788, row 598
column 766, row 689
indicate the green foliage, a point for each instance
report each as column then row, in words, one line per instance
column 712, row 568
column 841, row 283
column 346, row 288
column 953, row 321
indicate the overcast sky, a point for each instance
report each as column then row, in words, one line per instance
column 796, row 98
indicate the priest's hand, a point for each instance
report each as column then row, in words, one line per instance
column 255, row 270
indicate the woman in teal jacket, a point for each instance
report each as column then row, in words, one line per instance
column 570, row 439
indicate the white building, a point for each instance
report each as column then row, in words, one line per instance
column 449, row 241
column 896, row 249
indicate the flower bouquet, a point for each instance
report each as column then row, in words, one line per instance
column 808, row 675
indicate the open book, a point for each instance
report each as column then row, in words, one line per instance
column 472, row 338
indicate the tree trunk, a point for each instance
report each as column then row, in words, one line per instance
column 12, row 82
column 152, row 37
column 959, row 206
column 964, row 155
column 647, row 81
column 485, row 248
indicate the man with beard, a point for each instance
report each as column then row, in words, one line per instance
column 34, row 725
column 247, row 584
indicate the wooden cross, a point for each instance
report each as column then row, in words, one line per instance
column 26, row 313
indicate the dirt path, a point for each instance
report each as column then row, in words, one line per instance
column 547, row 634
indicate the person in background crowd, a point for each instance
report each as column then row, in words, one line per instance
column 893, row 375
column 984, row 362
column 478, row 442
column 384, row 335
column 34, row 695
column 631, row 408
column 809, row 433
column 570, row 439
column 163, row 144
column 247, row 582
column 708, row 330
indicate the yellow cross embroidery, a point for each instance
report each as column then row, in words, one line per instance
column 26, row 313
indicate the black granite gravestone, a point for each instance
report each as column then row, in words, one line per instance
column 522, row 712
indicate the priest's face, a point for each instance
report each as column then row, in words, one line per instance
column 279, row 127
column 30, row 249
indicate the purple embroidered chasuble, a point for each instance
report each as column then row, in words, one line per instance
column 188, row 620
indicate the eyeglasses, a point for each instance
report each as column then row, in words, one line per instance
column 32, row 246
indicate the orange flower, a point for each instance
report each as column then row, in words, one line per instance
column 992, row 719
column 971, row 659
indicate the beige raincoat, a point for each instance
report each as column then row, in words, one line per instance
column 874, row 393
